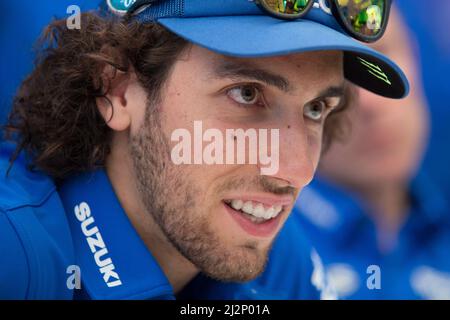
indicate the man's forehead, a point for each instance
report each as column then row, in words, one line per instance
column 288, row 73
column 328, row 57
column 308, row 74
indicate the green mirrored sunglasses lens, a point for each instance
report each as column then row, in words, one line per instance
column 288, row 7
column 363, row 16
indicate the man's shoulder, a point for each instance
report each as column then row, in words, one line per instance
column 34, row 233
column 20, row 186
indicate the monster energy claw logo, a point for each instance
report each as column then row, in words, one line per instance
column 120, row 6
column 375, row 70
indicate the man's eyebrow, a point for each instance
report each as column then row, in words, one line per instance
column 333, row 91
column 236, row 69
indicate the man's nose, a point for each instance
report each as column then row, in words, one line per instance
column 296, row 157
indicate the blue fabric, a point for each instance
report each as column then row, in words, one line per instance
column 35, row 241
column 416, row 267
column 40, row 238
column 133, row 272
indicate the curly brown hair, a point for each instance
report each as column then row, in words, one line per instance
column 55, row 118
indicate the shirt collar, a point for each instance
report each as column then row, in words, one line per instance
column 113, row 260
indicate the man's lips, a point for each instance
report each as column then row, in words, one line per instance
column 264, row 229
column 259, row 215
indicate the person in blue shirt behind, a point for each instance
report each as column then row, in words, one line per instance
column 431, row 30
column 111, row 186
column 379, row 223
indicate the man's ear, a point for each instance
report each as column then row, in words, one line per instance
column 114, row 106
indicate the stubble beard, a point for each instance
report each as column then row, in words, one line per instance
column 171, row 197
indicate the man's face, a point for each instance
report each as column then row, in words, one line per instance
column 388, row 136
column 193, row 204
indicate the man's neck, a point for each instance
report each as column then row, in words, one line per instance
column 177, row 269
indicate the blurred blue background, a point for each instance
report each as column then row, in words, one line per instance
column 429, row 21
column 22, row 22
column 20, row 26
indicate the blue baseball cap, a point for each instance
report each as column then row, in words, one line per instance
column 240, row 28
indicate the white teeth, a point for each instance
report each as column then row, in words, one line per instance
column 248, row 207
column 237, row 204
column 278, row 209
column 256, row 209
column 259, row 211
column 270, row 213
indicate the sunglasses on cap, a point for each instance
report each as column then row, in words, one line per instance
column 364, row 20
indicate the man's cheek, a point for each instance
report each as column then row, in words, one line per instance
column 315, row 147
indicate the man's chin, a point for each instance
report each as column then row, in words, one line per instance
column 235, row 277
column 242, row 267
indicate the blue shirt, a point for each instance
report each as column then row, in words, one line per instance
column 35, row 242
column 50, row 236
column 417, row 266
column 114, row 262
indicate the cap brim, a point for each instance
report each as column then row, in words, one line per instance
column 264, row 36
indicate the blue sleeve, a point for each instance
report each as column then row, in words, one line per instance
column 34, row 258
column 35, row 243
column 14, row 271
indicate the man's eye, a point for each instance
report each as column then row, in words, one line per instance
column 315, row 110
column 246, row 94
